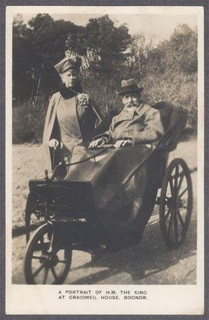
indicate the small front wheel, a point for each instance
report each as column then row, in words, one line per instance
column 176, row 203
column 46, row 262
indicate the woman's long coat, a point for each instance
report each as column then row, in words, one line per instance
column 52, row 129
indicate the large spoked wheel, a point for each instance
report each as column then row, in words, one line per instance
column 45, row 263
column 176, row 203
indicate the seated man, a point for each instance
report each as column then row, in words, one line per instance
column 137, row 123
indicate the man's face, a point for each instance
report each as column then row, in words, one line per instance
column 70, row 78
column 131, row 100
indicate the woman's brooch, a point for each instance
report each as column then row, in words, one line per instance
column 83, row 99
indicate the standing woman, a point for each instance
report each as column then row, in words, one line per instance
column 71, row 117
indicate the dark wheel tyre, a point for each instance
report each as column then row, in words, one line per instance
column 176, row 202
column 44, row 263
column 32, row 222
column 33, row 217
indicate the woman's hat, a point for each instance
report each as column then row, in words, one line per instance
column 129, row 86
column 68, row 63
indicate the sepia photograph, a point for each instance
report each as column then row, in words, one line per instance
column 105, row 160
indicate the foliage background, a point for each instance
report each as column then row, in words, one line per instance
column 167, row 70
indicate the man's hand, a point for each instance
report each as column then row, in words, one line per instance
column 53, row 143
column 97, row 143
column 123, row 143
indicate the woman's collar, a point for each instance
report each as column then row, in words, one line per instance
column 68, row 93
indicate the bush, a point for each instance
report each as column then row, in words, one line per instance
column 103, row 90
column 28, row 121
column 179, row 89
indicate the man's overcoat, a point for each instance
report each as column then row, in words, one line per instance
column 142, row 125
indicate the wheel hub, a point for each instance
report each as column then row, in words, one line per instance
column 169, row 202
column 49, row 259
column 172, row 202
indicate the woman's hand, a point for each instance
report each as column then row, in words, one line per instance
column 97, row 143
column 53, row 143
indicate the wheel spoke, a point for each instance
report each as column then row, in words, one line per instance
column 180, row 181
column 170, row 223
column 183, row 192
column 171, row 185
column 46, row 271
column 39, row 270
column 176, row 233
column 62, row 261
column 36, row 257
column 180, row 218
column 168, row 213
column 176, row 177
column 54, row 273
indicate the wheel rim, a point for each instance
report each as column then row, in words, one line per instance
column 45, row 264
column 176, row 203
column 33, row 221
column 33, row 218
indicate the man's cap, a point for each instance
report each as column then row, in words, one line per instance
column 129, row 86
column 68, row 63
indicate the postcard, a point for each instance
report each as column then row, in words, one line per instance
column 105, row 160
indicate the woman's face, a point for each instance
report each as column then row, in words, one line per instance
column 70, row 78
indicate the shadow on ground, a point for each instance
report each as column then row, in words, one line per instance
column 150, row 257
